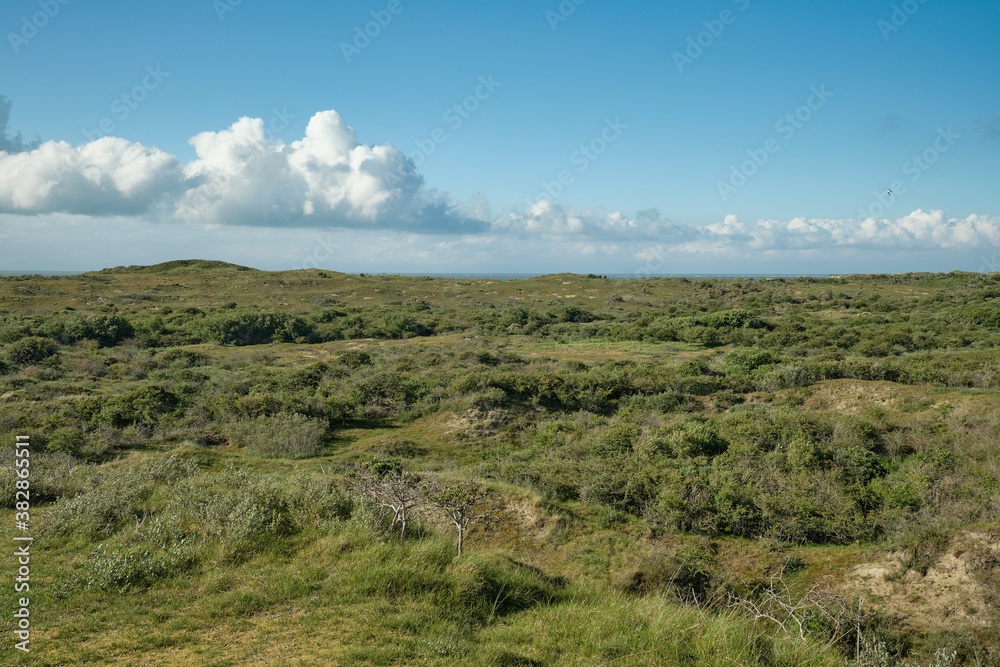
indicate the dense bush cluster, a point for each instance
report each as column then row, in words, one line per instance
column 643, row 438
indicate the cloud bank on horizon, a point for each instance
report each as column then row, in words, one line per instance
column 328, row 179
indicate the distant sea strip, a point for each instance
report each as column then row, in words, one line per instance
column 614, row 276
column 39, row 273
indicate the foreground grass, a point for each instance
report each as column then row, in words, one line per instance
column 343, row 594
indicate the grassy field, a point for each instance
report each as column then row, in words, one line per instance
column 646, row 472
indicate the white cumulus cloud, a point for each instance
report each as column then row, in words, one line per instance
column 106, row 176
column 548, row 218
column 919, row 230
column 326, row 179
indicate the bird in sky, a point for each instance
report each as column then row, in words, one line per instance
column 889, row 192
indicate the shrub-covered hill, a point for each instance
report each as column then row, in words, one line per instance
column 655, row 471
column 180, row 266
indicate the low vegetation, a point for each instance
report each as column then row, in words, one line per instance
column 234, row 466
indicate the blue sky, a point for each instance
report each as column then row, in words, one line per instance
column 726, row 136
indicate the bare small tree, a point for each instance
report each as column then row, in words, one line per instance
column 463, row 503
column 384, row 482
column 793, row 613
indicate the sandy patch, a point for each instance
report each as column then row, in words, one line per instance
column 954, row 594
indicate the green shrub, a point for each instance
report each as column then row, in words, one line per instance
column 851, row 431
column 169, row 470
column 292, row 436
column 617, row 440
column 700, row 335
column 14, row 328
column 393, row 447
column 145, row 406
column 52, row 477
column 67, row 441
column 386, row 393
column 689, row 437
column 782, row 377
column 117, row 497
column 515, row 320
column 747, row 359
column 328, row 315
column 315, row 501
column 487, row 587
column 573, row 314
column 397, row 325
column 256, row 327
column 150, row 332
column 101, row 511
column 688, row 570
column 30, row 350
column 694, row 385
column 180, row 358
column 135, row 567
column 985, row 316
column 732, row 319
column 309, row 377
column 241, row 510
column 488, row 399
column 355, row 359
column 107, row 330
